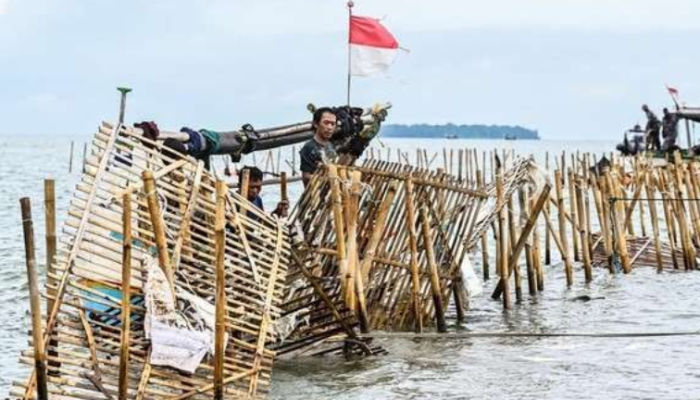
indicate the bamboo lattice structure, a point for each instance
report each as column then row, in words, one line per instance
column 171, row 223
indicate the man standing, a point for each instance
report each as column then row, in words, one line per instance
column 255, row 178
column 319, row 150
column 652, row 129
column 669, row 124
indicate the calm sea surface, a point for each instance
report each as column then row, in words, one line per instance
column 504, row 368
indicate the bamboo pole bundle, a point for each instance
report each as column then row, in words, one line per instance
column 90, row 319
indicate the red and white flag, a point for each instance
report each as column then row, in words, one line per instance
column 372, row 47
column 674, row 94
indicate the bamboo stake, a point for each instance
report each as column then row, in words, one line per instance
column 585, row 246
column 149, row 186
column 245, row 181
column 35, row 300
column 502, row 243
column 502, row 286
column 536, row 258
column 480, row 176
column 562, row 227
column 220, row 250
column 434, row 279
column 573, row 206
column 511, row 244
column 283, row 187
column 654, row 223
column 50, row 215
column 415, row 279
column 525, row 212
column 352, row 198
column 547, row 231
column 668, row 217
column 618, row 227
column 339, row 223
column 126, row 298
column 601, row 192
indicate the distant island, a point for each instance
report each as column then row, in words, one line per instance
column 453, row 131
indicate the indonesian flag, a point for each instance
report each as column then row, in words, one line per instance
column 674, row 94
column 372, row 47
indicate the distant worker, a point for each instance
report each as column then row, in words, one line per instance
column 255, row 179
column 652, row 129
column 669, row 124
column 319, row 149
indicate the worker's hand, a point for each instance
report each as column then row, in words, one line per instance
column 282, row 209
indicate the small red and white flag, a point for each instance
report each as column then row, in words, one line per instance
column 674, row 94
column 372, row 47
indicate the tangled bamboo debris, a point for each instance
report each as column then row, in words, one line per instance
column 414, row 228
column 91, row 357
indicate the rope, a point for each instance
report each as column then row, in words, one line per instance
column 485, row 335
column 614, row 199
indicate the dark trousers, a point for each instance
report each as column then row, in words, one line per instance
column 653, row 140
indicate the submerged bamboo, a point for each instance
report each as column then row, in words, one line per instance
column 35, row 300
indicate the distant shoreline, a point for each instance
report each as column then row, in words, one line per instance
column 451, row 131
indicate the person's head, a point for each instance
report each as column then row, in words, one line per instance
column 324, row 123
column 645, row 108
column 665, row 111
column 255, row 178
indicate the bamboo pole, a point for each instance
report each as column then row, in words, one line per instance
column 434, row 278
column 35, row 300
column 502, row 242
column 618, row 210
column 480, row 176
column 84, row 157
column 573, row 207
column 512, row 233
column 283, row 187
column 562, row 227
column 220, row 304
column 339, row 223
column 245, row 180
column 536, row 256
column 547, row 230
column 583, row 225
column 601, row 193
column 352, row 198
column 51, row 245
column 149, row 186
column 502, row 286
column 126, row 298
column 525, row 213
column 668, row 217
column 415, row 278
column 654, row 222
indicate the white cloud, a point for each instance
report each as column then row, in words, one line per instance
column 3, row 6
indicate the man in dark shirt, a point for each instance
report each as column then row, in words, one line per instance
column 669, row 124
column 319, row 150
column 652, row 129
column 255, row 178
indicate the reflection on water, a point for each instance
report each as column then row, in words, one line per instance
column 486, row 368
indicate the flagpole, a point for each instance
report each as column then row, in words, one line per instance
column 350, row 6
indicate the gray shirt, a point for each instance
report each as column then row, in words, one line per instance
column 314, row 153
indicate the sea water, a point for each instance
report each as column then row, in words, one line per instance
column 484, row 368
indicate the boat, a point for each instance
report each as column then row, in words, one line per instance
column 452, row 136
column 511, row 137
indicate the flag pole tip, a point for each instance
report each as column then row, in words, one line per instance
column 351, row 4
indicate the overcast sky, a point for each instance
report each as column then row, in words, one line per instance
column 572, row 69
